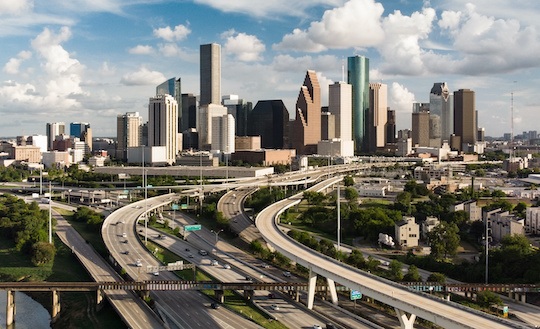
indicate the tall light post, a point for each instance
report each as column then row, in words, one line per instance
column 338, row 218
column 487, row 251
column 217, row 234
column 144, row 181
column 50, row 214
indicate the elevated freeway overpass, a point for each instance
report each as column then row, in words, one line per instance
column 407, row 303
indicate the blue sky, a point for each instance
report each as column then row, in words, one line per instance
column 90, row 60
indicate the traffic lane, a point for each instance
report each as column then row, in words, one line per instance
column 296, row 316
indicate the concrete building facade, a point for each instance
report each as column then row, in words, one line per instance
column 128, row 133
column 377, row 115
column 465, row 125
column 163, row 125
column 210, row 74
column 307, row 126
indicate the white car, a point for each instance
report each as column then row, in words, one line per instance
column 156, row 273
column 214, row 262
column 316, row 326
column 124, row 235
column 226, row 266
column 138, row 263
column 274, row 307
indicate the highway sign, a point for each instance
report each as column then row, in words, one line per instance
column 190, row 228
column 174, row 206
column 355, row 294
column 184, row 206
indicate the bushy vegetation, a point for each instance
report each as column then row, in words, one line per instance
column 263, row 198
column 27, row 225
column 92, row 219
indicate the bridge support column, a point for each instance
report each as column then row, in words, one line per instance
column 10, row 308
column 405, row 321
column 99, row 299
column 55, row 308
column 219, row 295
column 332, row 290
column 521, row 298
column 248, row 294
column 312, row 282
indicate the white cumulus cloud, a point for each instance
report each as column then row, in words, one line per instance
column 15, row 6
column 180, row 32
column 400, row 98
column 244, row 47
column 143, row 77
column 12, row 66
column 141, row 50
column 355, row 24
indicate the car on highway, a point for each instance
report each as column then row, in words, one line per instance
column 126, row 252
column 330, row 326
column 190, row 256
column 215, row 306
column 226, row 266
column 138, row 263
column 214, row 262
column 316, row 326
column 274, row 307
column 156, row 273
column 124, row 235
column 203, row 252
column 287, row 274
column 264, row 265
column 187, row 249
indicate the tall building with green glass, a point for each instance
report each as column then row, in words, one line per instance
column 358, row 77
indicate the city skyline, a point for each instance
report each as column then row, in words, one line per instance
column 90, row 62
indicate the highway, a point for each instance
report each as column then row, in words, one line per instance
column 134, row 312
column 186, row 309
column 443, row 313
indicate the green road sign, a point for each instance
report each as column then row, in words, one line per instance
column 174, row 206
column 184, row 206
column 190, row 228
column 355, row 294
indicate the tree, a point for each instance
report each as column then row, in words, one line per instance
column 42, row 253
column 403, row 202
column 520, row 209
column 396, row 270
column 348, row 181
column 444, row 240
column 314, row 198
column 412, row 275
column 356, row 258
column 487, row 298
column 436, row 277
column 351, row 194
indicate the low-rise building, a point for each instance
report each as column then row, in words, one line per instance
column 428, row 225
column 407, row 232
column 470, row 207
column 502, row 223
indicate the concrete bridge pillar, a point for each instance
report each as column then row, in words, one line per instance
column 312, row 282
column 55, row 308
column 10, row 308
column 248, row 294
column 332, row 290
column 406, row 322
column 99, row 299
column 220, row 296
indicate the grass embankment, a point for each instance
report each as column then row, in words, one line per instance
column 78, row 308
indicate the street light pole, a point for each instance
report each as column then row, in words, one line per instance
column 487, row 251
column 50, row 215
column 217, row 234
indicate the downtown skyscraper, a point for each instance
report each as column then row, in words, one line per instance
column 441, row 113
column 306, row 132
column 128, row 133
column 210, row 74
column 358, row 77
column 465, row 126
column 163, row 125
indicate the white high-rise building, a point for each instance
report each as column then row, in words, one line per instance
column 223, row 134
column 163, row 125
column 204, row 123
column 441, row 112
column 340, row 105
column 54, row 129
